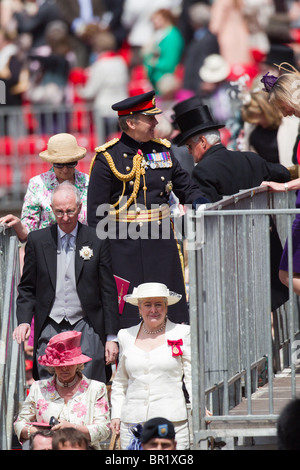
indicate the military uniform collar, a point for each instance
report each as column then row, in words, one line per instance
column 130, row 142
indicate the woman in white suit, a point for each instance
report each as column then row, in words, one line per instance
column 155, row 358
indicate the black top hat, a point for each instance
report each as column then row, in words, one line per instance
column 143, row 104
column 192, row 117
column 280, row 53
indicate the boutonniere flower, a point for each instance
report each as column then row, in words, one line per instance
column 176, row 349
column 86, row 252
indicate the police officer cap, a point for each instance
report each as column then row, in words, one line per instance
column 144, row 104
column 157, row 427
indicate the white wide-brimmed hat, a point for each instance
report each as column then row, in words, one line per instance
column 152, row 289
column 215, row 69
column 63, row 148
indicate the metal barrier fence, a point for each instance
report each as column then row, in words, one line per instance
column 12, row 364
column 24, row 133
column 237, row 341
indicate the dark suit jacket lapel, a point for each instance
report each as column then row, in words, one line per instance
column 50, row 253
column 82, row 240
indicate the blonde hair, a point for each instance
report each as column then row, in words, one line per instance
column 260, row 105
column 286, row 90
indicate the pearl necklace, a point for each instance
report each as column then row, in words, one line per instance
column 149, row 332
column 67, row 384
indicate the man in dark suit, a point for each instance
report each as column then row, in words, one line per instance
column 86, row 17
column 218, row 171
column 36, row 24
column 221, row 172
column 67, row 284
column 203, row 44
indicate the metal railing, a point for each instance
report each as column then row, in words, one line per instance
column 12, row 364
column 24, row 133
column 236, row 338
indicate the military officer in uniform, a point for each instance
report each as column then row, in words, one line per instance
column 132, row 178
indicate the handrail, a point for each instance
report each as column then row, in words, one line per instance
column 24, row 133
column 12, row 363
column 230, row 305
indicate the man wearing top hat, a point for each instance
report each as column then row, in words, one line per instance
column 133, row 177
column 221, row 172
column 218, row 171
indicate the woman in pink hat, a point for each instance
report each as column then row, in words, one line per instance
column 69, row 397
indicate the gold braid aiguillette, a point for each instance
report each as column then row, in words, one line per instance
column 136, row 172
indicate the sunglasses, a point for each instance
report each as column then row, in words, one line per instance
column 68, row 165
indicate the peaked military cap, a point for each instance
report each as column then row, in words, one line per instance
column 157, row 427
column 144, row 104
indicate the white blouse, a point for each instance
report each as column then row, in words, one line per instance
column 149, row 384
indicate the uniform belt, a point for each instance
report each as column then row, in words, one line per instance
column 144, row 215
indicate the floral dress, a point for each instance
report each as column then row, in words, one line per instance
column 88, row 407
column 36, row 210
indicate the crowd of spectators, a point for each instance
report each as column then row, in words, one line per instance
column 98, row 52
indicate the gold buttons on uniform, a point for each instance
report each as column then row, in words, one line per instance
column 128, row 168
column 125, row 155
column 162, row 178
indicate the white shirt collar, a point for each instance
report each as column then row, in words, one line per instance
column 62, row 233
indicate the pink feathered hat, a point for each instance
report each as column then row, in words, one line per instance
column 64, row 350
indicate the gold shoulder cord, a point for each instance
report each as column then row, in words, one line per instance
column 137, row 171
column 100, row 149
column 164, row 142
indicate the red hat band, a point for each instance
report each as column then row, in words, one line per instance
column 144, row 106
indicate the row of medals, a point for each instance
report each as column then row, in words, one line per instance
column 159, row 160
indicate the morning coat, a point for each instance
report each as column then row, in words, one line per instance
column 96, row 286
column 222, row 172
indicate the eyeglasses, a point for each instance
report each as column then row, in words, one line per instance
column 68, row 165
column 69, row 213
